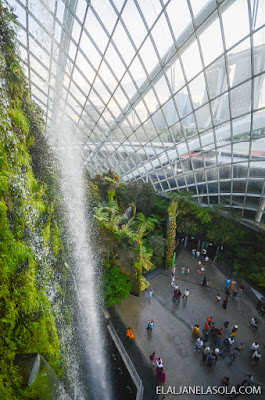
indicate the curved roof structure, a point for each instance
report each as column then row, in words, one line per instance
column 169, row 91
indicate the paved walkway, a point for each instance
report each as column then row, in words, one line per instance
column 171, row 337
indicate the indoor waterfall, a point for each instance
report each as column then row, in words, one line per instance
column 84, row 262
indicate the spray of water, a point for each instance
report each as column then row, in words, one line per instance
column 85, row 271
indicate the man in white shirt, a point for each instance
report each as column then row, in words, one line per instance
column 254, row 347
column 256, row 357
column 186, row 294
column 199, row 344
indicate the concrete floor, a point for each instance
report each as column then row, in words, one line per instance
column 171, row 337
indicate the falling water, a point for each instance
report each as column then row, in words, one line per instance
column 85, row 271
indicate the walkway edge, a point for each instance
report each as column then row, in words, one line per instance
column 127, row 361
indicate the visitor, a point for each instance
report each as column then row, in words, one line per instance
column 232, row 284
column 182, row 272
column 207, row 287
column 210, row 360
column 193, row 252
column 234, row 354
column 150, row 325
column 186, row 294
column 226, row 323
column 129, row 333
column 173, row 272
column 202, row 269
column 225, row 302
column 209, row 320
column 206, row 259
column 225, row 381
column 254, row 347
column 248, row 381
column 198, row 253
column 188, row 272
column 199, row 265
column 173, row 281
column 196, row 330
column 175, row 295
column 254, row 323
column 227, row 291
column 216, row 354
column 199, row 344
column 179, row 295
column 150, row 293
column 203, row 283
column 256, row 357
column 241, row 288
column 235, row 292
column 205, row 353
column 159, row 362
column 234, row 330
column 153, row 358
column 204, row 251
column 227, row 283
column 218, row 298
column 161, row 376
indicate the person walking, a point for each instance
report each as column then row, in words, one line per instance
column 256, row 357
column 218, row 298
column 182, row 272
column 205, row 353
column 204, row 282
column 153, row 358
column 225, row 301
column 241, row 288
column 150, row 293
column 198, row 253
column 150, row 325
column 186, row 294
column 159, row 362
column 232, row 284
column 199, row 344
column 196, row 330
column 234, row 330
column 129, row 333
column 193, row 252
column 175, row 295
column 188, row 272
column 254, row 347
column 234, row 354
column 161, row 376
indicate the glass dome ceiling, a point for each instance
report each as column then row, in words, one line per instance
column 170, row 92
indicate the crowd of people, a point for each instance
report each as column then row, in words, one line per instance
column 212, row 341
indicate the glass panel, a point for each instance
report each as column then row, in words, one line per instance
column 198, row 91
column 241, row 99
column 150, row 10
column 175, row 77
column 106, row 13
column 115, row 62
column 123, row 43
column 198, row 5
column 162, row 90
column 148, row 55
column 258, row 12
column 259, row 48
column 133, row 22
column 211, row 41
column 240, row 10
column 239, row 62
column 162, row 36
column 216, row 78
column 137, row 72
column 192, row 60
column 203, row 118
column 179, row 16
column 220, row 109
column 183, row 103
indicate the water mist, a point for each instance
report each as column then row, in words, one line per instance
column 84, row 263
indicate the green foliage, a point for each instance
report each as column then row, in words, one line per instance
column 141, row 194
column 116, row 285
column 158, row 246
column 29, row 234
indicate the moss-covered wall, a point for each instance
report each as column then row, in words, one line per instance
column 31, row 251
